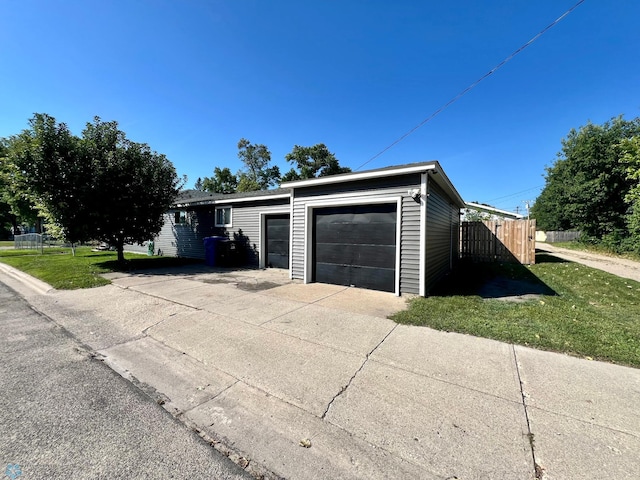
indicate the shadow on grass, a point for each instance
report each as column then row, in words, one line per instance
column 493, row 280
column 544, row 257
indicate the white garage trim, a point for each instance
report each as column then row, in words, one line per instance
column 423, row 235
column 340, row 201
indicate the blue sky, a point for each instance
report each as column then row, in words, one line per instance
column 191, row 78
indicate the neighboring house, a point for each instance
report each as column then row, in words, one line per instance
column 394, row 229
column 488, row 213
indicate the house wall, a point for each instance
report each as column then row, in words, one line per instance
column 442, row 234
column 364, row 192
column 246, row 224
column 187, row 239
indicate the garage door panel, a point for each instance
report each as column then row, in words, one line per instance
column 373, row 278
column 375, row 256
column 280, row 247
column 348, row 254
column 356, row 245
column 333, row 273
column 372, row 233
column 357, row 216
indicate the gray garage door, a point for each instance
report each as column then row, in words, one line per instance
column 356, row 245
column 277, row 240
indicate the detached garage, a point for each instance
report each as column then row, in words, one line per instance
column 393, row 229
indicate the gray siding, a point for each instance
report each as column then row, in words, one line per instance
column 187, row 239
column 245, row 226
column 337, row 194
column 443, row 230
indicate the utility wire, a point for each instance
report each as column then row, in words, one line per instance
column 474, row 84
column 515, row 194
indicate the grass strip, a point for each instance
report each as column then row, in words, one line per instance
column 555, row 305
column 63, row 271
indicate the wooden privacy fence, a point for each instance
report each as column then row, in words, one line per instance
column 499, row 241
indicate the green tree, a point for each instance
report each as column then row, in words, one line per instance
column 223, row 181
column 256, row 174
column 586, row 187
column 630, row 148
column 101, row 186
column 312, row 162
column 17, row 203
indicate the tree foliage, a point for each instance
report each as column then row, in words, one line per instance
column 100, row 186
column 312, row 162
column 223, row 181
column 257, row 174
column 18, row 206
column 586, row 187
column 630, row 148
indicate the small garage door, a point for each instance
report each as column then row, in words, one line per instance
column 356, row 245
column 277, row 241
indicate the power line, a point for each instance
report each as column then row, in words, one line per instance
column 515, row 194
column 474, row 84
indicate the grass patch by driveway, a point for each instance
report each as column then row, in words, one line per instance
column 63, row 271
column 553, row 305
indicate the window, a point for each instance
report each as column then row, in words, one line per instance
column 223, row 216
column 180, row 217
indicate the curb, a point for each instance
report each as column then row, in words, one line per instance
column 37, row 285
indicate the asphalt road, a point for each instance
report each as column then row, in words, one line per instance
column 64, row 414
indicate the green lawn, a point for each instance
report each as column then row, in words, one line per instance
column 60, row 269
column 584, row 312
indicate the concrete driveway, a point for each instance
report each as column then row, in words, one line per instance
column 312, row 381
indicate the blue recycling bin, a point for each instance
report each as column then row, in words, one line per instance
column 211, row 244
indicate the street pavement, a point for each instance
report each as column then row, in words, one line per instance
column 65, row 414
column 314, row 382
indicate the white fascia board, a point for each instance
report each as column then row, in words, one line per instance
column 353, row 177
column 252, row 199
column 222, row 201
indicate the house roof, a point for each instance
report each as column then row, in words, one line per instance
column 433, row 167
column 197, row 197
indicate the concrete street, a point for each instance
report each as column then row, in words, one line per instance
column 66, row 415
column 312, row 381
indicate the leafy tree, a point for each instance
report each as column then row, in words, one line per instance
column 586, row 187
column 312, row 162
column 17, row 204
column 257, row 174
column 198, row 185
column 223, row 181
column 101, row 186
column 630, row 148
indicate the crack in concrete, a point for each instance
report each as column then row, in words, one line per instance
column 344, row 387
column 537, row 468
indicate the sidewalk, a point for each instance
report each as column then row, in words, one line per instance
column 312, row 381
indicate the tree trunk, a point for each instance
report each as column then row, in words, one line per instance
column 120, row 250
